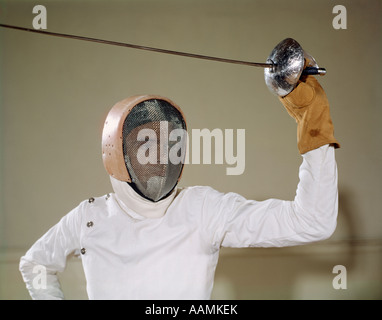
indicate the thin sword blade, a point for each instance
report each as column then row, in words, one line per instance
column 134, row 46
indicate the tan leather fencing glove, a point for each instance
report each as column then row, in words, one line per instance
column 309, row 106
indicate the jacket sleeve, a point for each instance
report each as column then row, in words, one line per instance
column 310, row 217
column 47, row 257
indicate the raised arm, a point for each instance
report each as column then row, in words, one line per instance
column 312, row 215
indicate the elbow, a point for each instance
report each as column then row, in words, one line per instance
column 26, row 268
column 319, row 224
column 326, row 232
column 24, row 265
column 323, row 226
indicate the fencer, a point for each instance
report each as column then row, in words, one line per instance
column 152, row 240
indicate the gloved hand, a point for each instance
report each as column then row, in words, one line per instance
column 309, row 106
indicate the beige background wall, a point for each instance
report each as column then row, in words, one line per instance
column 55, row 94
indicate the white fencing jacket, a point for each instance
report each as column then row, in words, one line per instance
column 127, row 255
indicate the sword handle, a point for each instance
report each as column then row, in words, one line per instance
column 313, row 71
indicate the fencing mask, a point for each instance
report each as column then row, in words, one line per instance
column 144, row 143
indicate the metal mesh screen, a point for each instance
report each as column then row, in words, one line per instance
column 147, row 147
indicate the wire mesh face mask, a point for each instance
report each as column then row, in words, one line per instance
column 153, row 137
